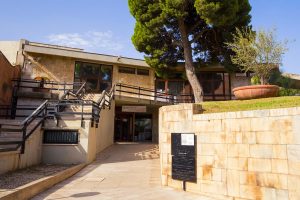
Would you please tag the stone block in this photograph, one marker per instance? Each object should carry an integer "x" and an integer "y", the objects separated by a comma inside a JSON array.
[
  {"x": 238, "y": 150},
  {"x": 205, "y": 160},
  {"x": 279, "y": 151},
  {"x": 293, "y": 183},
  {"x": 261, "y": 151},
  {"x": 259, "y": 165},
  {"x": 207, "y": 172},
  {"x": 281, "y": 123},
  {"x": 296, "y": 128},
  {"x": 237, "y": 163},
  {"x": 214, "y": 187},
  {"x": 193, "y": 187},
  {"x": 268, "y": 137},
  {"x": 233, "y": 183},
  {"x": 294, "y": 167},
  {"x": 216, "y": 174},
  {"x": 174, "y": 183},
  {"x": 282, "y": 194},
  {"x": 248, "y": 178},
  {"x": 293, "y": 152},
  {"x": 260, "y": 124},
  {"x": 268, "y": 193},
  {"x": 231, "y": 125},
  {"x": 249, "y": 137},
  {"x": 280, "y": 166},
  {"x": 250, "y": 192},
  {"x": 211, "y": 138},
  {"x": 278, "y": 181}
]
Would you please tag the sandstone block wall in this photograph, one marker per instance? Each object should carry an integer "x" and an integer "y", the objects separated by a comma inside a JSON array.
[{"x": 240, "y": 155}]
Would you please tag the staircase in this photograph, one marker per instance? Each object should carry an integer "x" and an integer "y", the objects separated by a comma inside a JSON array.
[{"x": 72, "y": 105}]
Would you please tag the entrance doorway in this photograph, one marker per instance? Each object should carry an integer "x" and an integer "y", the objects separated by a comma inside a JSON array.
[
  {"x": 143, "y": 128},
  {"x": 123, "y": 128},
  {"x": 133, "y": 127}
]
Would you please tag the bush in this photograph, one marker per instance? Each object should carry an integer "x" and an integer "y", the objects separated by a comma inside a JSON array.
[{"x": 289, "y": 92}]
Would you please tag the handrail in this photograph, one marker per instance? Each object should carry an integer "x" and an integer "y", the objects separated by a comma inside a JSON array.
[
  {"x": 156, "y": 95},
  {"x": 22, "y": 127},
  {"x": 35, "y": 113}
]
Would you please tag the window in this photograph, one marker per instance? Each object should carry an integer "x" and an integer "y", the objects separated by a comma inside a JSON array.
[
  {"x": 98, "y": 77},
  {"x": 61, "y": 137},
  {"x": 144, "y": 72},
  {"x": 127, "y": 70}
]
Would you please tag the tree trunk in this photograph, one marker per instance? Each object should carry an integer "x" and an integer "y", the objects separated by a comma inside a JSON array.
[{"x": 189, "y": 64}]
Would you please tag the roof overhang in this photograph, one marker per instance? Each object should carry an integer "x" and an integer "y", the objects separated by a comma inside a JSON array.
[{"x": 78, "y": 54}]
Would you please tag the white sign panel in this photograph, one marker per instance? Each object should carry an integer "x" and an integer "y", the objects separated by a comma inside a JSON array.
[
  {"x": 187, "y": 139},
  {"x": 137, "y": 109}
]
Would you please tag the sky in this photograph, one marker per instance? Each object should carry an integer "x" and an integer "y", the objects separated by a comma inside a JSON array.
[{"x": 106, "y": 26}]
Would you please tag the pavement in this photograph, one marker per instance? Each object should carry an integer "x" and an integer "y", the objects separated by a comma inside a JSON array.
[{"x": 126, "y": 171}]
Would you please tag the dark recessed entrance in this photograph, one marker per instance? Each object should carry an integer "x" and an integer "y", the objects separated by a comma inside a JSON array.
[{"x": 133, "y": 127}]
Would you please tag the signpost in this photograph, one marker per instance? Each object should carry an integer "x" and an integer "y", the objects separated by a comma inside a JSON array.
[
  {"x": 135, "y": 109},
  {"x": 183, "y": 157}
]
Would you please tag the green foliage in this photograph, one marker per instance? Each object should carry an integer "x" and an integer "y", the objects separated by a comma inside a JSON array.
[
  {"x": 289, "y": 92},
  {"x": 253, "y": 104},
  {"x": 277, "y": 78},
  {"x": 255, "y": 80},
  {"x": 209, "y": 24},
  {"x": 257, "y": 52}
]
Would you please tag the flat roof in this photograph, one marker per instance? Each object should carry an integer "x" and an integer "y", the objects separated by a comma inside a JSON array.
[{"x": 56, "y": 50}]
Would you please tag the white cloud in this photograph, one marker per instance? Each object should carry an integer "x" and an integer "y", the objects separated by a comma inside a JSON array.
[{"x": 91, "y": 41}]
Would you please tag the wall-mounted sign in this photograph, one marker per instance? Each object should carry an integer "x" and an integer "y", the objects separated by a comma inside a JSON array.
[
  {"x": 183, "y": 150},
  {"x": 136, "y": 109},
  {"x": 187, "y": 139}
]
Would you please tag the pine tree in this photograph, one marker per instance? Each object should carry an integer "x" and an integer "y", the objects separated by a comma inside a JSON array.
[{"x": 168, "y": 31}]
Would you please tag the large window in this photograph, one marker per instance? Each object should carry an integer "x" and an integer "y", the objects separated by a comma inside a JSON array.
[{"x": 98, "y": 77}]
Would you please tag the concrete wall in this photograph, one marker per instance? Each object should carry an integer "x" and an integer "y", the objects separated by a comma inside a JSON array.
[
  {"x": 10, "y": 50},
  {"x": 10, "y": 161},
  {"x": 92, "y": 140},
  {"x": 105, "y": 130},
  {"x": 8, "y": 72},
  {"x": 238, "y": 81},
  {"x": 240, "y": 155}
]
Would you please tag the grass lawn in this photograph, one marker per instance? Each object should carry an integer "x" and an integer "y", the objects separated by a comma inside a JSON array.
[{"x": 255, "y": 104}]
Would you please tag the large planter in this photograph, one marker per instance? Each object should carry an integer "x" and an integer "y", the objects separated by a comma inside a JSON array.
[{"x": 256, "y": 91}]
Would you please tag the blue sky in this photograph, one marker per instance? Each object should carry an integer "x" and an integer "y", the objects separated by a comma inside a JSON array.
[{"x": 106, "y": 26}]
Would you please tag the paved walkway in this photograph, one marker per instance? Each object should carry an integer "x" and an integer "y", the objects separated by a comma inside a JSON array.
[{"x": 123, "y": 171}]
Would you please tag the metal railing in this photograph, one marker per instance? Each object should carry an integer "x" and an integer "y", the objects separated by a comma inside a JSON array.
[
  {"x": 171, "y": 98},
  {"x": 150, "y": 94},
  {"x": 94, "y": 108},
  {"x": 24, "y": 127},
  {"x": 46, "y": 85}
]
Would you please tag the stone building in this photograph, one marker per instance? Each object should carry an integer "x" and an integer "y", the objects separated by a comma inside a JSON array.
[
  {"x": 139, "y": 93},
  {"x": 79, "y": 103}
]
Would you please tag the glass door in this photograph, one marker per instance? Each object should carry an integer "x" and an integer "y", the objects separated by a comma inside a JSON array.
[{"x": 143, "y": 128}]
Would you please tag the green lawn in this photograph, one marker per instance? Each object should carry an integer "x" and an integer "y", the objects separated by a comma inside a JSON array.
[{"x": 255, "y": 104}]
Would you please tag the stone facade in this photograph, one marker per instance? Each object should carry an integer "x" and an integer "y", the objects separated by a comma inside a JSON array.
[
  {"x": 8, "y": 72},
  {"x": 240, "y": 155}
]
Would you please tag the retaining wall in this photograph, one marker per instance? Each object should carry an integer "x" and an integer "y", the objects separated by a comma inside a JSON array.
[{"x": 240, "y": 155}]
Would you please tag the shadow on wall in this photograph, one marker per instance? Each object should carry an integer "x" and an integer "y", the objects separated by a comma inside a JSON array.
[{"x": 8, "y": 72}]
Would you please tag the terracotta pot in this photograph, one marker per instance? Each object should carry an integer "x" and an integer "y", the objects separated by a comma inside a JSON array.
[{"x": 256, "y": 91}]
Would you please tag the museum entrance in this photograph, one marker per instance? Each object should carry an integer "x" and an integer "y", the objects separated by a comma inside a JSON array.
[{"x": 133, "y": 127}]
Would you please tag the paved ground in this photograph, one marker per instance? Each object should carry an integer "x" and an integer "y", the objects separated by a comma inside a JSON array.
[{"x": 124, "y": 171}]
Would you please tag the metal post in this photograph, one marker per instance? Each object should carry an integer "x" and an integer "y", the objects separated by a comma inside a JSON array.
[
  {"x": 82, "y": 123},
  {"x": 23, "y": 138},
  {"x": 139, "y": 92}
]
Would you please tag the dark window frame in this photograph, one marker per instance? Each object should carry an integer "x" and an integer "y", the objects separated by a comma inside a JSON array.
[
  {"x": 141, "y": 72},
  {"x": 126, "y": 70},
  {"x": 61, "y": 137},
  {"x": 99, "y": 76}
]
